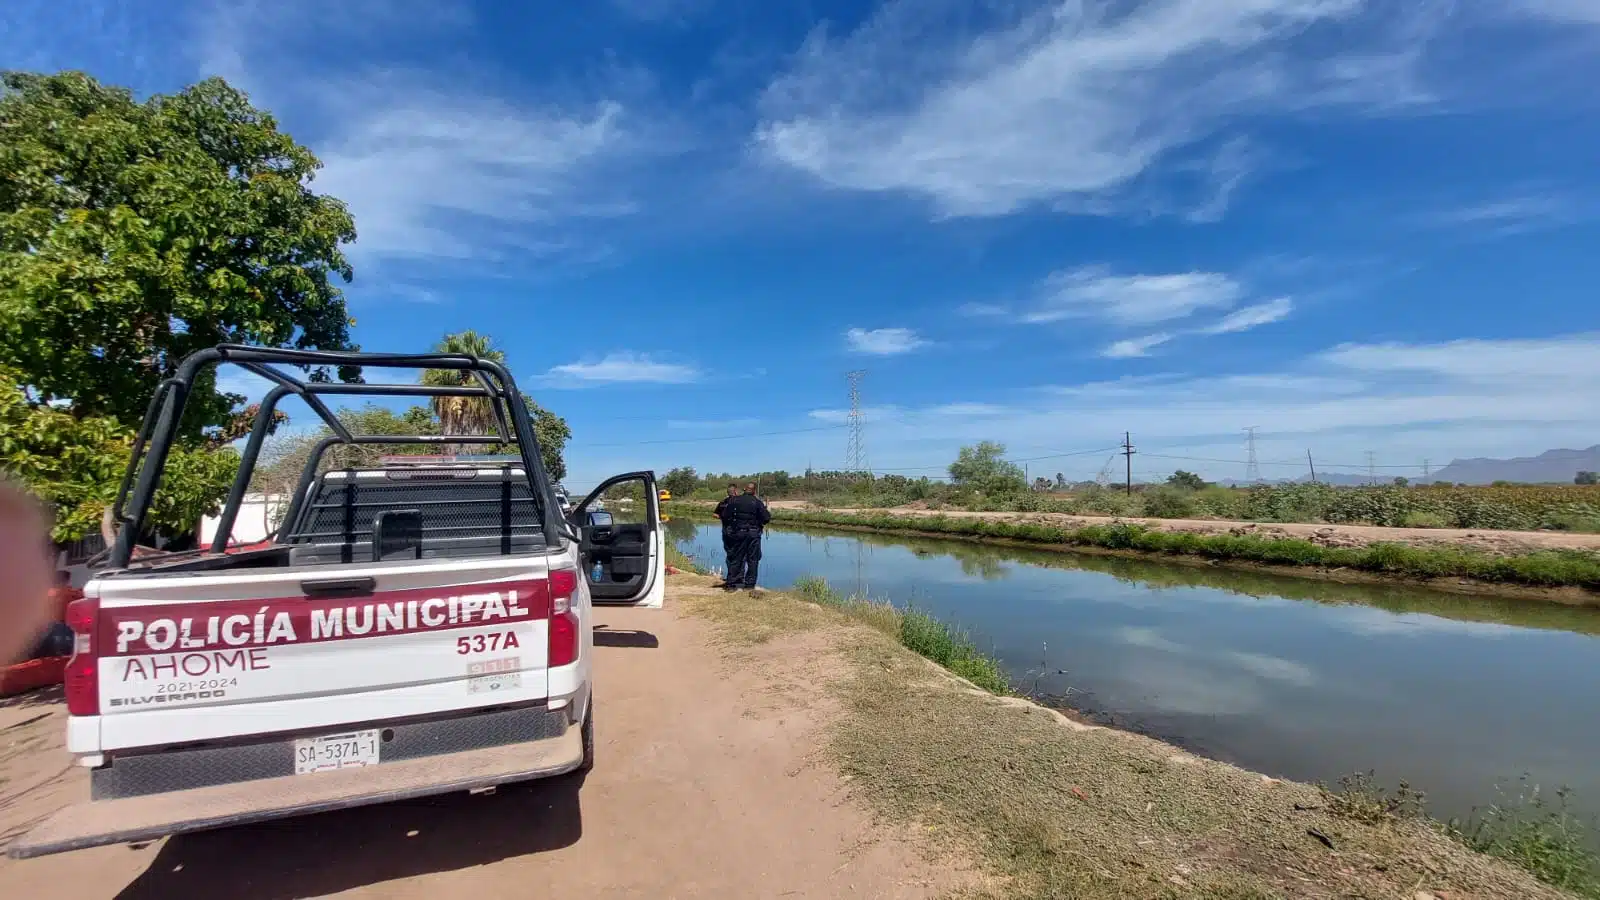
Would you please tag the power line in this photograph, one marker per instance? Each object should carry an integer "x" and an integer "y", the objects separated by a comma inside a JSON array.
[
  {"x": 1061, "y": 455},
  {"x": 1127, "y": 453},
  {"x": 855, "y": 452},
  {"x": 1252, "y": 469}
]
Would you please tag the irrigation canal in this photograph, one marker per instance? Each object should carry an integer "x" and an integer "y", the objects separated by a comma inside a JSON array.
[{"x": 1292, "y": 677}]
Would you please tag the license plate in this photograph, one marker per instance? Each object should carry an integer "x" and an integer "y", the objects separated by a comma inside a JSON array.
[{"x": 336, "y": 751}]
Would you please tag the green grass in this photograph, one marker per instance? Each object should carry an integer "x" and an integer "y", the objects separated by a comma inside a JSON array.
[
  {"x": 1045, "y": 810},
  {"x": 1538, "y": 835},
  {"x": 1525, "y": 829},
  {"x": 917, "y": 631},
  {"x": 1552, "y": 568},
  {"x": 678, "y": 559}
]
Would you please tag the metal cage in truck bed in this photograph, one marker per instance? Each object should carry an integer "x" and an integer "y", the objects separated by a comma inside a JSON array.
[{"x": 482, "y": 507}]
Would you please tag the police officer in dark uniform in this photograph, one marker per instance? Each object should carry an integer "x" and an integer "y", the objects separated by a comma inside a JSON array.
[
  {"x": 727, "y": 533},
  {"x": 744, "y": 516}
]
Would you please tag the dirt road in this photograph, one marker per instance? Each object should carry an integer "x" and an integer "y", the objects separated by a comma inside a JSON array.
[
  {"x": 705, "y": 786},
  {"x": 1487, "y": 540}
]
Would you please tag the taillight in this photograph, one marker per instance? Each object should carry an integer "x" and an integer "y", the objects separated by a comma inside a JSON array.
[
  {"x": 563, "y": 618},
  {"x": 82, "y": 676}
]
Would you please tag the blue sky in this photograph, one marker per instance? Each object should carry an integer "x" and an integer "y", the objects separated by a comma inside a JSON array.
[{"x": 1356, "y": 225}]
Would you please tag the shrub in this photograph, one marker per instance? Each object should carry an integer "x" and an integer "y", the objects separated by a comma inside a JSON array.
[
  {"x": 1424, "y": 519},
  {"x": 1542, "y": 837},
  {"x": 1169, "y": 503},
  {"x": 1581, "y": 517},
  {"x": 916, "y": 630}
]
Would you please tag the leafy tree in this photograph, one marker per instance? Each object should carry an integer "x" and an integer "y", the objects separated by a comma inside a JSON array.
[
  {"x": 75, "y": 464},
  {"x": 462, "y": 415},
  {"x": 1188, "y": 481},
  {"x": 552, "y": 432},
  {"x": 241, "y": 423},
  {"x": 681, "y": 481},
  {"x": 983, "y": 467},
  {"x": 1401, "y": 481},
  {"x": 375, "y": 419},
  {"x": 1586, "y": 478},
  {"x": 133, "y": 233},
  {"x": 473, "y": 415},
  {"x": 283, "y": 458},
  {"x": 1061, "y": 482}
]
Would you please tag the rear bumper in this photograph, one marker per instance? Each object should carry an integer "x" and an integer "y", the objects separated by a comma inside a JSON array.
[{"x": 144, "y": 818}]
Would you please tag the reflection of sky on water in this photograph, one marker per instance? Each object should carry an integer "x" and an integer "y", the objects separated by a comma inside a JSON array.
[{"x": 1308, "y": 690}]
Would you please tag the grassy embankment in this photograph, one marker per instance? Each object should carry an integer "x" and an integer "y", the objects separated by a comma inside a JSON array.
[
  {"x": 1051, "y": 808},
  {"x": 1517, "y": 507},
  {"x": 1547, "y": 569}
]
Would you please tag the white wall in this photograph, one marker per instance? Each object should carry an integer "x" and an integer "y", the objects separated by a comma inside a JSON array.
[{"x": 254, "y": 519}]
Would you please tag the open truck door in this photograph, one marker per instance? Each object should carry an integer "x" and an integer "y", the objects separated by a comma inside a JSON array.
[{"x": 623, "y": 551}]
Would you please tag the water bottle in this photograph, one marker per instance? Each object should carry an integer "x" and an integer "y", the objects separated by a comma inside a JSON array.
[{"x": 599, "y": 573}]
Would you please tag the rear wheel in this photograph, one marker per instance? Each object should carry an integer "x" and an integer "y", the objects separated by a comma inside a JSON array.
[{"x": 588, "y": 741}]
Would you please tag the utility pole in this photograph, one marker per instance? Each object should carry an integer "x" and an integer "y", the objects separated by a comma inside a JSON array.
[
  {"x": 855, "y": 453},
  {"x": 1372, "y": 467},
  {"x": 1252, "y": 469},
  {"x": 1427, "y": 469},
  {"x": 1128, "y": 451},
  {"x": 1312, "y": 464}
]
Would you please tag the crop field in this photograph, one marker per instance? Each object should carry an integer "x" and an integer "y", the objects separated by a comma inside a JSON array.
[{"x": 1514, "y": 507}]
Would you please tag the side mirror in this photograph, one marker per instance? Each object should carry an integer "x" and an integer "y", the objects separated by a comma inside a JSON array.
[
  {"x": 397, "y": 534},
  {"x": 600, "y": 519}
]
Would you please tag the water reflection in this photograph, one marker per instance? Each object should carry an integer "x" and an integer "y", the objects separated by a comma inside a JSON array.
[{"x": 1306, "y": 679}]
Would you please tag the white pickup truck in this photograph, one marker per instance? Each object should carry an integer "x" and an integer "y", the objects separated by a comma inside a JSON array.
[{"x": 409, "y": 630}]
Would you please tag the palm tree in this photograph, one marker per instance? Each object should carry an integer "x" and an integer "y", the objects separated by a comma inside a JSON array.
[{"x": 462, "y": 415}]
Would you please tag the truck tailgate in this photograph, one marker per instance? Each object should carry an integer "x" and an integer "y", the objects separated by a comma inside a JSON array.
[
  {"x": 104, "y": 822},
  {"x": 186, "y": 658}
]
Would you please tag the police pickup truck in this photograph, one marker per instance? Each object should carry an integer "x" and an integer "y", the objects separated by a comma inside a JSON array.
[{"x": 410, "y": 629}]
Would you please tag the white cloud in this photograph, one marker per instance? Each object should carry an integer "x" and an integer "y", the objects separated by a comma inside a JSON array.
[
  {"x": 1133, "y": 347},
  {"x": 1510, "y": 214},
  {"x": 1073, "y": 104},
  {"x": 436, "y": 175},
  {"x": 1252, "y": 317},
  {"x": 839, "y": 416},
  {"x": 969, "y": 409},
  {"x": 1581, "y": 12},
  {"x": 623, "y": 367},
  {"x": 982, "y": 310},
  {"x": 433, "y": 166},
  {"x": 1573, "y": 360},
  {"x": 1406, "y": 402},
  {"x": 883, "y": 341},
  {"x": 1095, "y": 293}
]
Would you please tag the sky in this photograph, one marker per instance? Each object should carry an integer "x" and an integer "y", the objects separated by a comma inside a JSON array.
[{"x": 1359, "y": 226}]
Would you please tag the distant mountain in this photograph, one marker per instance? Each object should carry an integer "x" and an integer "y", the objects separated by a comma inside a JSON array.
[
  {"x": 1339, "y": 479},
  {"x": 1554, "y": 466},
  {"x": 1549, "y": 467}
]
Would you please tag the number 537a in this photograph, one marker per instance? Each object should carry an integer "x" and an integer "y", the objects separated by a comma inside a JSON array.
[{"x": 487, "y": 643}]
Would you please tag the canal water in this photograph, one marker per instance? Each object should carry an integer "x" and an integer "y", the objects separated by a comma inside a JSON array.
[{"x": 1292, "y": 677}]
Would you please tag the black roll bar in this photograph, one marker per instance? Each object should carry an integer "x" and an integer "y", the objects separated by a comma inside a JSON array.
[
  {"x": 308, "y": 473},
  {"x": 156, "y": 435}
]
